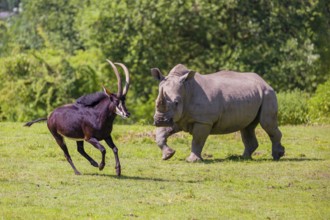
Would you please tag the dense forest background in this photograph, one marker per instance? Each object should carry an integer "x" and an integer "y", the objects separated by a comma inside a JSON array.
[{"x": 52, "y": 52}]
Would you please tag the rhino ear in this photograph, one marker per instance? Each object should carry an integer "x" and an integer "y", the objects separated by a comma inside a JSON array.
[
  {"x": 187, "y": 76},
  {"x": 155, "y": 72}
]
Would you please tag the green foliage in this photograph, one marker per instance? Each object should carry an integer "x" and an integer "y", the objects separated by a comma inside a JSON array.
[
  {"x": 285, "y": 42},
  {"x": 292, "y": 107},
  {"x": 319, "y": 104},
  {"x": 54, "y": 18},
  {"x": 320, "y": 28},
  {"x": 35, "y": 83},
  {"x": 297, "y": 107},
  {"x": 3, "y": 36},
  {"x": 274, "y": 40}
]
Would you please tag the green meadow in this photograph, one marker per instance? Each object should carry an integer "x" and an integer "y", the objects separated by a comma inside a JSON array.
[{"x": 36, "y": 182}]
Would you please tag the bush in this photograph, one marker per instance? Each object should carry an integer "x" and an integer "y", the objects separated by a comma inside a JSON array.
[
  {"x": 33, "y": 84},
  {"x": 292, "y": 107},
  {"x": 319, "y": 104}
]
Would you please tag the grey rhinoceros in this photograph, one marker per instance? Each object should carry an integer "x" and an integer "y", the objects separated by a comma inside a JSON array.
[{"x": 218, "y": 103}]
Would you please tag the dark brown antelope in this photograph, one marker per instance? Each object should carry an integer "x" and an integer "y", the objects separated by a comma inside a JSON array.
[{"x": 90, "y": 119}]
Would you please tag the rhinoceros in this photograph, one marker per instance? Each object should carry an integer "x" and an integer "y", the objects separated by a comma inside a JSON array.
[{"x": 217, "y": 103}]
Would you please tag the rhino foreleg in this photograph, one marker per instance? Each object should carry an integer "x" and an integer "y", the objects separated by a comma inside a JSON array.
[
  {"x": 162, "y": 133},
  {"x": 200, "y": 133}
]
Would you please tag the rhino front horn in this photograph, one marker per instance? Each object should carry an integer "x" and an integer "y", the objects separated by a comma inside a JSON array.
[{"x": 161, "y": 102}]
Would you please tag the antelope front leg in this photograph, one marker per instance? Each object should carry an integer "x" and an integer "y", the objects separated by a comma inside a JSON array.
[
  {"x": 81, "y": 150},
  {"x": 109, "y": 141},
  {"x": 96, "y": 144}
]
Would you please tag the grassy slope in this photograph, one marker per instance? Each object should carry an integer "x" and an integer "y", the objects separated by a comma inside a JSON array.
[{"x": 36, "y": 182}]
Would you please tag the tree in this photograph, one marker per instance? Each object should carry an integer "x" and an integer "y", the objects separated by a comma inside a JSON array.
[{"x": 286, "y": 42}]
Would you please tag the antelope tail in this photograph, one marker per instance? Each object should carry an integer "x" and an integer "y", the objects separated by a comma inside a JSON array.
[{"x": 28, "y": 124}]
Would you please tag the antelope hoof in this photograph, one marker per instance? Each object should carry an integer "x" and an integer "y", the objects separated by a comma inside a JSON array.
[
  {"x": 77, "y": 173},
  {"x": 277, "y": 155},
  {"x": 101, "y": 166},
  {"x": 94, "y": 164},
  {"x": 246, "y": 156},
  {"x": 118, "y": 171}
]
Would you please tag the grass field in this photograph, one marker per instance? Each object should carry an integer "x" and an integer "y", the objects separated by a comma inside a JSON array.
[{"x": 36, "y": 182}]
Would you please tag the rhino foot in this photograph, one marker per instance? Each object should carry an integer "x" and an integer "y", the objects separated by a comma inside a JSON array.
[
  {"x": 168, "y": 153},
  {"x": 193, "y": 158}
]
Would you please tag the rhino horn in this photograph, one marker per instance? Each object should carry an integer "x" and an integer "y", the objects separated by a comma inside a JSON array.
[{"x": 161, "y": 102}]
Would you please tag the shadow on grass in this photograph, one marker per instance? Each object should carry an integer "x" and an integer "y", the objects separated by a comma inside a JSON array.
[
  {"x": 139, "y": 178},
  {"x": 239, "y": 158}
]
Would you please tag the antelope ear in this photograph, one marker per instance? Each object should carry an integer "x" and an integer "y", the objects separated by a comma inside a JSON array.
[{"x": 106, "y": 91}]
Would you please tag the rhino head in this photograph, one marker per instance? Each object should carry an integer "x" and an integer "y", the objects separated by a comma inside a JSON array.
[{"x": 172, "y": 94}]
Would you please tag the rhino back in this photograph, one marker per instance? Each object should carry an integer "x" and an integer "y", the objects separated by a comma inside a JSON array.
[{"x": 228, "y": 101}]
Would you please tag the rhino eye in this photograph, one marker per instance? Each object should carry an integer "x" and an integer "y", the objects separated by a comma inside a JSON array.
[{"x": 176, "y": 103}]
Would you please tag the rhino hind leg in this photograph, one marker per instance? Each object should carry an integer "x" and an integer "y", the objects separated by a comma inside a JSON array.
[
  {"x": 275, "y": 136},
  {"x": 250, "y": 141},
  {"x": 268, "y": 121}
]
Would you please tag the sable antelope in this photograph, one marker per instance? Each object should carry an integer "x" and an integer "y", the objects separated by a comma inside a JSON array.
[{"x": 90, "y": 118}]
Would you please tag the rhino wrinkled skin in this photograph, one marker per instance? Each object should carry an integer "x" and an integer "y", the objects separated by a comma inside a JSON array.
[{"x": 218, "y": 103}]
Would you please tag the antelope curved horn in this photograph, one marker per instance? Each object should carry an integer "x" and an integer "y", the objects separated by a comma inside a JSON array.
[
  {"x": 120, "y": 91},
  {"x": 127, "y": 78}
]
